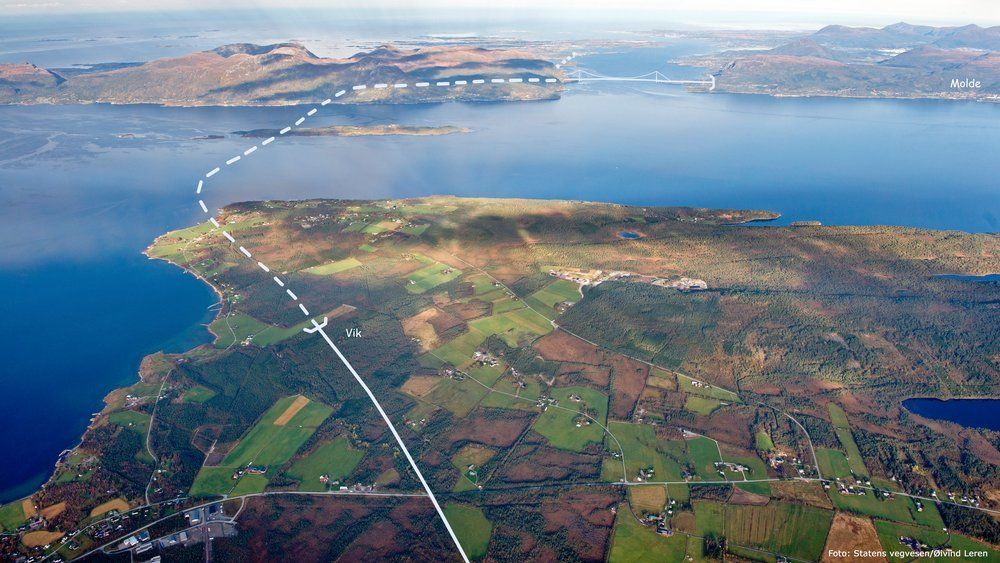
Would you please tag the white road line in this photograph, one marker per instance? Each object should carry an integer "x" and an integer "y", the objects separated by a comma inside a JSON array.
[
  {"x": 325, "y": 102},
  {"x": 214, "y": 222},
  {"x": 319, "y": 327},
  {"x": 399, "y": 440},
  {"x": 234, "y": 160},
  {"x": 515, "y": 80},
  {"x": 200, "y": 184}
]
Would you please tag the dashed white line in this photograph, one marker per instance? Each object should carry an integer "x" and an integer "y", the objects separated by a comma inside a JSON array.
[{"x": 294, "y": 297}]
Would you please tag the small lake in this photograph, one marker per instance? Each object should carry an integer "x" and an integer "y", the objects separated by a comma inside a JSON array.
[{"x": 971, "y": 413}]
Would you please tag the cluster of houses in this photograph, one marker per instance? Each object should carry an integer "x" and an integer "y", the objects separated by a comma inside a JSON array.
[
  {"x": 486, "y": 359},
  {"x": 722, "y": 466},
  {"x": 250, "y": 469},
  {"x": 645, "y": 474}
]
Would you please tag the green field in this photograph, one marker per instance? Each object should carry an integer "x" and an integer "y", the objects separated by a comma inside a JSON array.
[
  {"x": 11, "y": 515},
  {"x": 899, "y": 508},
  {"x": 557, "y": 292},
  {"x": 336, "y": 460},
  {"x": 430, "y": 276},
  {"x": 198, "y": 394},
  {"x": 702, "y": 454},
  {"x": 461, "y": 396},
  {"x": 471, "y": 527},
  {"x": 642, "y": 451},
  {"x": 559, "y": 425},
  {"x": 709, "y": 518},
  {"x": 701, "y": 405},
  {"x": 133, "y": 420},
  {"x": 687, "y": 385},
  {"x": 367, "y": 248},
  {"x": 415, "y": 230},
  {"x": 833, "y": 463},
  {"x": 333, "y": 267},
  {"x": 843, "y": 429},
  {"x": 266, "y": 444},
  {"x": 515, "y": 327},
  {"x": 889, "y": 533},
  {"x": 757, "y": 471},
  {"x": 458, "y": 351},
  {"x": 794, "y": 530},
  {"x": 764, "y": 442},
  {"x": 234, "y": 329},
  {"x": 532, "y": 390},
  {"x": 633, "y": 542}
]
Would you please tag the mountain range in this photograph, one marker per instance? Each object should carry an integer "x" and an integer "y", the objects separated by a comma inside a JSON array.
[
  {"x": 278, "y": 74},
  {"x": 897, "y": 61}
]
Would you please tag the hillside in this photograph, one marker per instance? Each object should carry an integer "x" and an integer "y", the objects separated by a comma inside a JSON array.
[
  {"x": 284, "y": 73},
  {"x": 897, "y": 61},
  {"x": 535, "y": 354}
]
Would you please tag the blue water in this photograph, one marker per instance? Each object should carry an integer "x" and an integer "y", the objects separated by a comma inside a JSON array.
[
  {"x": 629, "y": 235},
  {"x": 971, "y": 413},
  {"x": 78, "y": 202},
  {"x": 959, "y": 277}
]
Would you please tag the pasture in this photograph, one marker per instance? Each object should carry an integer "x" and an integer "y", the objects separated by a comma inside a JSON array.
[
  {"x": 336, "y": 460},
  {"x": 471, "y": 527},
  {"x": 559, "y": 425}
]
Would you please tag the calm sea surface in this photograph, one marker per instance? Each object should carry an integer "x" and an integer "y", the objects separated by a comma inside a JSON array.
[{"x": 84, "y": 189}]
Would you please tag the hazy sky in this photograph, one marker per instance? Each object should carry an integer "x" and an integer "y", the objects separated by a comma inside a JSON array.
[{"x": 705, "y": 12}]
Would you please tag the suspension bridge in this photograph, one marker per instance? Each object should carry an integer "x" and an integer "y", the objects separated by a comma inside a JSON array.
[{"x": 581, "y": 75}]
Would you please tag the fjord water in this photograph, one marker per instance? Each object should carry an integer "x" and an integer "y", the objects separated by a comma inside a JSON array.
[{"x": 84, "y": 189}]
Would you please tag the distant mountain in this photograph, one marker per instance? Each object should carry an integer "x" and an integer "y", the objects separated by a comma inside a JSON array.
[
  {"x": 903, "y": 35},
  {"x": 899, "y": 60},
  {"x": 283, "y": 73}
]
